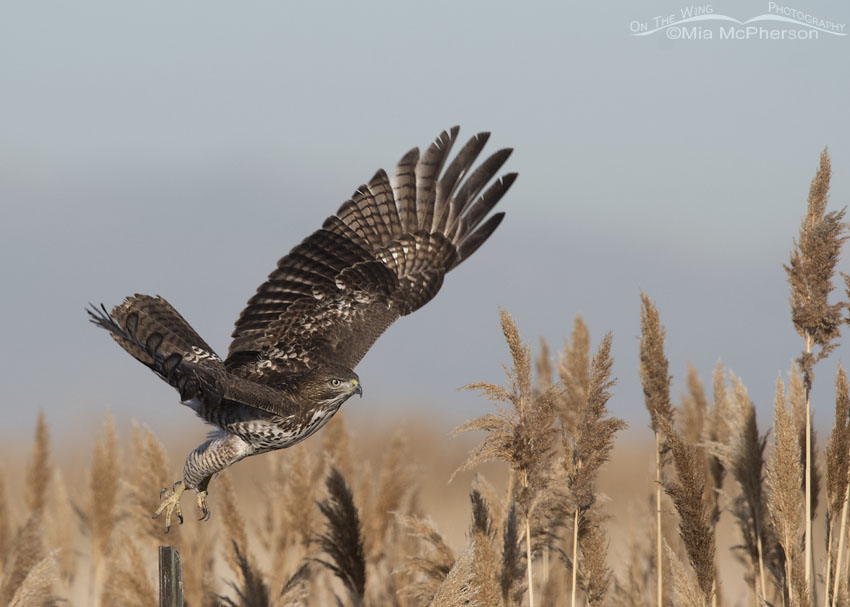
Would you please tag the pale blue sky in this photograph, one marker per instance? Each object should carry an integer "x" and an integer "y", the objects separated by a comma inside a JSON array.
[{"x": 182, "y": 148}]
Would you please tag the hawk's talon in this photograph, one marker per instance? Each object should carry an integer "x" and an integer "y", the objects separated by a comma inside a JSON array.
[
  {"x": 171, "y": 505},
  {"x": 202, "y": 504}
]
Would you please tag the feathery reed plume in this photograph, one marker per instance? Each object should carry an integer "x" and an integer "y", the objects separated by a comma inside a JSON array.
[
  {"x": 474, "y": 577},
  {"x": 695, "y": 526},
  {"x": 656, "y": 391},
  {"x": 37, "y": 588},
  {"x": 61, "y": 528},
  {"x": 523, "y": 436},
  {"x": 252, "y": 592},
  {"x": 151, "y": 472},
  {"x": 743, "y": 456},
  {"x": 685, "y": 588},
  {"x": 591, "y": 444},
  {"x": 342, "y": 540},
  {"x": 810, "y": 270},
  {"x": 395, "y": 482},
  {"x": 432, "y": 568},
  {"x": 303, "y": 472},
  {"x": 39, "y": 471},
  {"x": 543, "y": 365},
  {"x": 718, "y": 432},
  {"x": 510, "y": 576},
  {"x": 104, "y": 492},
  {"x": 127, "y": 582},
  {"x": 574, "y": 371},
  {"x": 335, "y": 440},
  {"x": 694, "y": 408},
  {"x": 233, "y": 521},
  {"x": 5, "y": 524},
  {"x": 27, "y": 550},
  {"x": 785, "y": 499},
  {"x": 837, "y": 481},
  {"x": 294, "y": 591}
]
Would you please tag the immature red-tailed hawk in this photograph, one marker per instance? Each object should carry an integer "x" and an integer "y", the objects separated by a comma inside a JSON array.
[{"x": 289, "y": 367}]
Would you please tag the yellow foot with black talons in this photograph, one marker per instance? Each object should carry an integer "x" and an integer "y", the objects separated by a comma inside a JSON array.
[
  {"x": 202, "y": 504},
  {"x": 171, "y": 504}
]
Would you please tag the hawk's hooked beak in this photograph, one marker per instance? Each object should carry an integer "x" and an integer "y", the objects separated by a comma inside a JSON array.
[{"x": 358, "y": 389}]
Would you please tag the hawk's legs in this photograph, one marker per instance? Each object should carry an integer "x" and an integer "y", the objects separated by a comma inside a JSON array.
[{"x": 213, "y": 456}]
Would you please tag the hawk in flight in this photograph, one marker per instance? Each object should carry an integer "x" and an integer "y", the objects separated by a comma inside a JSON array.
[{"x": 290, "y": 365}]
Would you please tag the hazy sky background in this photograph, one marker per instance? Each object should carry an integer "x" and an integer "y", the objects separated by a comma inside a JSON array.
[{"x": 182, "y": 148}]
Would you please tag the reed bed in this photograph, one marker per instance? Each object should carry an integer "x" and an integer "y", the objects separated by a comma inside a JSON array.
[{"x": 554, "y": 514}]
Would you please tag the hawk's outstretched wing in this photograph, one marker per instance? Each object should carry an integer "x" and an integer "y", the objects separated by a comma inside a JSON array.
[{"x": 382, "y": 256}]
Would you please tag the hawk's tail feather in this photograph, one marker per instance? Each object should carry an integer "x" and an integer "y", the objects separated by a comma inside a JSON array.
[{"x": 154, "y": 333}]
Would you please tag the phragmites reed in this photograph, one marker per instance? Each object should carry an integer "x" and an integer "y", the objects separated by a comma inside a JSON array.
[
  {"x": 743, "y": 457},
  {"x": 101, "y": 514},
  {"x": 253, "y": 591},
  {"x": 342, "y": 540},
  {"x": 686, "y": 490},
  {"x": 428, "y": 571},
  {"x": 586, "y": 450},
  {"x": 127, "y": 583},
  {"x": 685, "y": 592},
  {"x": 39, "y": 470},
  {"x": 151, "y": 473},
  {"x": 26, "y": 551},
  {"x": 295, "y": 591},
  {"x": 695, "y": 526},
  {"x": 523, "y": 436},
  {"x": 37, "y": 588},
  {"x": 656, "y": 391},
  {"x": 477, "y": 577},
  {"x": 233, "y": 522},
  {"x": 785, "y": 499},
  {"x": 810, "y": 270},
  {"x": 574, "y": 372},
  {"x": 837, "y": 484},
  {"x": 104, "y": 489}
]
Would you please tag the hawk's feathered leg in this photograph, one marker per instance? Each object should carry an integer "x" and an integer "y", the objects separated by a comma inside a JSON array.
[{"x": 201, "y": 465}]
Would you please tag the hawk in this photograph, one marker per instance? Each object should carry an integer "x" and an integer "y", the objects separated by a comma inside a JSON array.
[{"x": 290, "y": 364}]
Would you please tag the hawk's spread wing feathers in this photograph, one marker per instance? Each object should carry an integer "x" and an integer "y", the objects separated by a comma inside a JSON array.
[{"x": 382, "y": 256}]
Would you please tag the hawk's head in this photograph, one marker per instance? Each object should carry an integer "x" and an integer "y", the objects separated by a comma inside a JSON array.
[{"x": 329, "y": 384}]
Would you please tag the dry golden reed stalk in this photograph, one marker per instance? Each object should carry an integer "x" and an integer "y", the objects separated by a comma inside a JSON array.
[
  {"x": 39, "y": 469},
  {"x": 810, "y": 271}
]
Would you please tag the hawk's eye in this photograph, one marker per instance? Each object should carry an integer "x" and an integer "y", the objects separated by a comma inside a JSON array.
[{"x": 335, "y": 383}]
